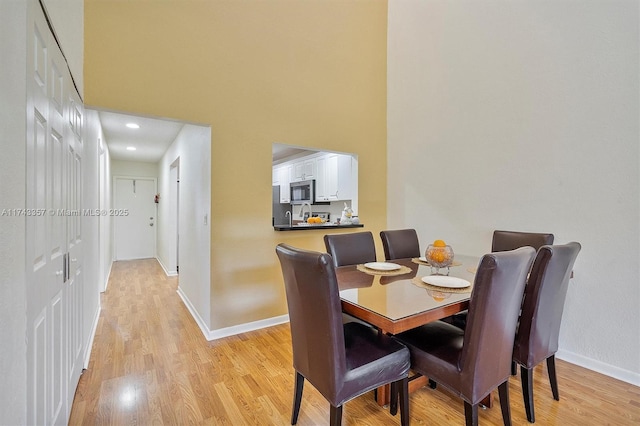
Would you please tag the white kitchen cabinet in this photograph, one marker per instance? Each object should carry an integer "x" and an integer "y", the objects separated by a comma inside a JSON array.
[
  {"x": 304, "y": 170},
  {"x": 345, "y": 178},
  {"x": 321, "y": 179},
  {"x": 333, "y": 173},
  {"x": 334, "y": 178},
  {"x": 282, "y": 177}
]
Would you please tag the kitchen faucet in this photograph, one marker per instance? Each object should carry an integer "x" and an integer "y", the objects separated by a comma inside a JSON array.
[
  {"x": 302, "y": 209},
  {"x": 288, "y": 213}
]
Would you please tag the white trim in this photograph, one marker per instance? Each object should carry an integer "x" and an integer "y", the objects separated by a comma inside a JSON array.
[
  {"x": 106, "y": 283},
  {"x": 229, "y": 331},
  {"x": 194, "y": 313},
  {"x": 600, "y": 367},
  {"x": 167, "y": 273},
  {"x": 92, "y": 335},
  {"x": 249, "y": 326},
  {"x": 591, "y": 364}
]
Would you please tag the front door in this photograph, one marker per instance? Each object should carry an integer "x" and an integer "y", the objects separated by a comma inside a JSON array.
[{"x": 135, "y": 218}]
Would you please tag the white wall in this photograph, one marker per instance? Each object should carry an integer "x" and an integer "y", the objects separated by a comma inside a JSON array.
[
  {"x": 13, "y": 350},
  {"x": 93, "y": 282},
  {"x": 134, "y": 168},
  {"x": 193, "y": 148},
  {"x": 106, "y": 222},
  {"x": 524, "y": 115}
]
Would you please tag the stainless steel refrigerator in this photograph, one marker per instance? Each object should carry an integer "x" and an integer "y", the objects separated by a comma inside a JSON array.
[{"x": 279, "y": 209}]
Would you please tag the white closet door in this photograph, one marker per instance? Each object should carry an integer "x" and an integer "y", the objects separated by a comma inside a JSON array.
[{"x": 54, "y": 316}]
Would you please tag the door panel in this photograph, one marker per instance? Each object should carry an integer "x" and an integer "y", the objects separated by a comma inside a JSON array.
[
  {"x": 135, "y": 219},
  {"x": 73, "y": 285}
]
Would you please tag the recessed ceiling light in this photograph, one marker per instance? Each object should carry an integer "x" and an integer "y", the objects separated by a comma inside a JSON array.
[
  {"x": 133, "y": 126},
  {"x": 131, "y": 148}
]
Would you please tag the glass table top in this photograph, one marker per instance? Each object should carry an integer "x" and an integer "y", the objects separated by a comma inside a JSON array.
[{"x": 398, "y": 296}]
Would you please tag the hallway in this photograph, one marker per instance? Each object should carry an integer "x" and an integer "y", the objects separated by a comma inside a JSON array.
[{"x": 151, "y": 364}]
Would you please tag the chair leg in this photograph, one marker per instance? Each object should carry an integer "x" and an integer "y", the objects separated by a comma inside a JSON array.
[
  {"x": 404, "y": 402},
  {"x": 551, "y": 369},
  {"x": 471, "y": 414},
  {"x": 393, "y": 399},
  {"x": 526, "y": 376},
  {"x": 432, "y": 384},
  {"x": 297, "y": 397},
  {"x": 503, "y": 391},
  {"x": 335, "y": 416}
]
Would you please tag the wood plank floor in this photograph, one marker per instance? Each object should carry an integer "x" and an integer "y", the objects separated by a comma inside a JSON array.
[{"x": 150, "y": 364}]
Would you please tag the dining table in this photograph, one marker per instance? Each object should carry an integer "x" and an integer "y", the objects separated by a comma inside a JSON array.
[{"x": 402, "y": 294}]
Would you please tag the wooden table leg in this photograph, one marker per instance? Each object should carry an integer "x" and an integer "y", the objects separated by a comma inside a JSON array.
[
  {"x": 487, "y": 401},
  {"x": 383, "y": 393}
]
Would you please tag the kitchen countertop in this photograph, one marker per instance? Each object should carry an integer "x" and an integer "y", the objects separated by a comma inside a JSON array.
[{"x": 307, "y": 227}]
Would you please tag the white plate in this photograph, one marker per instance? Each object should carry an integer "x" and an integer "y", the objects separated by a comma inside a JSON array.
[
  {"x": 445, "y": 281},
  {"x": 382, "y": 266}
]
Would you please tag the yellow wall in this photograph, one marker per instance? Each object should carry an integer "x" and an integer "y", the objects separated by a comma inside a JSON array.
[{"x": 310, "y": 73}]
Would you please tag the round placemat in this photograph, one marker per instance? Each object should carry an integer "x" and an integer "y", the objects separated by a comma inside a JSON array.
[
  {"x": 403, "y": 270},
  {"x": 417, "y": 281}
]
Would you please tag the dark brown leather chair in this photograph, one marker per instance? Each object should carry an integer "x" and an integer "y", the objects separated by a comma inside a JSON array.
[
  {"x": 351, "y": 249},
  {"x": 510, "y": 240},
  {"x": 400, "y": 243},
  {"x": 341, "y": 361},
  {"x": 539, "y": 327},
  {"x": 474, "y": 361},
  {"x": 506, "y": 241}
]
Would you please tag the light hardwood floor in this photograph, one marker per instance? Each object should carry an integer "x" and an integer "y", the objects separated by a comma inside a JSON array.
[{"x": 150, "y": 364}]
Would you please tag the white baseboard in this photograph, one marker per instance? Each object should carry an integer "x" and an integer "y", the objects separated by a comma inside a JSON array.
[
  {"x": 166, "y": 272},
  {"x": 92, "y": 335},
  {"x": 591, "y": 364},
  {"x": 194, "y": 313},
  {"x": 229, "y": 331},
  {"x": 106, "y": 283},
  {"x": 249, "y": 326},
  {"x": 600, "y": 367}
]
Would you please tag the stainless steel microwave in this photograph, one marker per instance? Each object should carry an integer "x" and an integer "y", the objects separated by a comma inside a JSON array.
[{"x": 303, "y": 192}]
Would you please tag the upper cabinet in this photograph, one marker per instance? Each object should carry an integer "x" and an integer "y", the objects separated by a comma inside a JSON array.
[
  {"x": 304, "y": 170},
  {"x": 334, "y": 180},
  {"x": 281, "y": 176}
]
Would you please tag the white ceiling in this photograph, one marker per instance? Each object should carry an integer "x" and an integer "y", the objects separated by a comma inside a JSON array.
[
  {"x": 151, "y": 140},
  {"x": 155, "y": 136}
]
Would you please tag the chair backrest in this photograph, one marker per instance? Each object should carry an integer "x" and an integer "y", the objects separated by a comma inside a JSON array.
[
  {"x": 351, "y": 249},
  {"x": 315, "y": 317},
  {"x": 400, "y": 243},
  {"x": 546, "y": 291},
  {"x": 510, "y": 240},
  {"x": 494, "y": 306}
]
